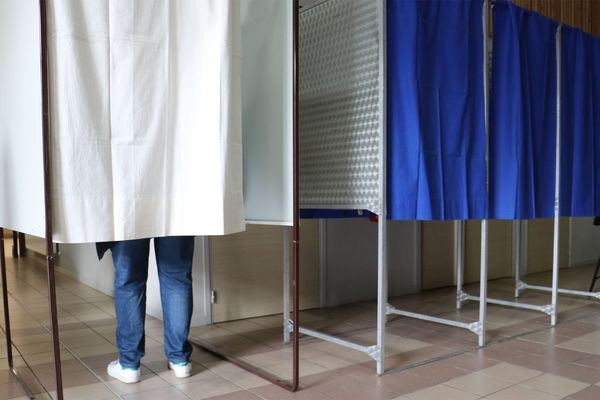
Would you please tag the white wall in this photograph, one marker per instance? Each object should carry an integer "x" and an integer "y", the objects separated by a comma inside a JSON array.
[
  {"x": 585, "y": 242},
  {"x": 350, "y": 270},
  {"x": 21, "y": 161},
  {"x": 80, "y": 262}
]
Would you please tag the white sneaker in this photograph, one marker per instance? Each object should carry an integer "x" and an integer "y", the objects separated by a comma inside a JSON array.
[
  {"x": 125, "y": 375},
  {"x": 181, "y": 370}
]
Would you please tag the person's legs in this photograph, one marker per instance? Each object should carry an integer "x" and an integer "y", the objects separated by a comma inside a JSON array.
[
  {"x": 131, "y": 273},
  {"x": 174, "y": 259}
]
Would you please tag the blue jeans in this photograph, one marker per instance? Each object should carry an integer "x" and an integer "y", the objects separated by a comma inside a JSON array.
[{"x": 174, "y": 259}]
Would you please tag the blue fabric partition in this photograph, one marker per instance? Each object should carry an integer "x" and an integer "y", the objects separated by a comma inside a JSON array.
[
  {"x": 436, "y": 135},
  {"x": 522, "y": 114},
  {"x": 580, "y": 124}
]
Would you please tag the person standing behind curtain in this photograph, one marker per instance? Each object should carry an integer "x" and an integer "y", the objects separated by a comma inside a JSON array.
[{"x": 174, "y": 260}]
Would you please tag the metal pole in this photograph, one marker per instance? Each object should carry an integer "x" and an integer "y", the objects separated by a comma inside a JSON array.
[
  {"x": 15, "y": 244},
  {"x": 22, "y": 244},
  {"x": 556, "y": 244},
  {"x": 48, "y": 199},
  {"x": 459, "y": 260},
  {"x": 484, "y": 223},
  {"x": 483, "y": 281},
  {"x": 7, "y": 331},
  {"x": 296, "y": 226},
  {"x": 517, "y": 256},
  {"x": 382, "y": 273},
  {"x": 287, "y": 244}
]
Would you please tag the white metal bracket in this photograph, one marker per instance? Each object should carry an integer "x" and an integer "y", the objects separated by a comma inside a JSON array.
[
  {"x": 288, "y": 326},
  {"x": 389, "y": 308},
  {"x": 374, "y": 352},
  {"x": 476, "y": 328},
  {"x": 520, "y": 285},
  {"x": 461, "y": 296},
  {"x": 548, "y": 309}
]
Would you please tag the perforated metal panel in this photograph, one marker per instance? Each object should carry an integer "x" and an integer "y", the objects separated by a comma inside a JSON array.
[{"x": 340, "y": 105}]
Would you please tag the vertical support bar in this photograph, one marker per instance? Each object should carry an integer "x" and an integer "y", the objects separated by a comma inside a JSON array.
[
  {"x": 15, "y": 244},
  {"x": 296, "y": 197},
  {"x": 22, "y": 244},
  {"x": 382, "y": 277},
  {"x": 459, "y": 259},
  {"x": 208, "y": 283},
  {"x": 484, "y": 223},
  {"x": 556, "y": 244},
  {"x": 48, "y": 198},
  {"x": 516, "y": 242},
  {"x": 9, "y": 354},
  {"x": 323, "y": 262},
  {"x": 287, "y": 244},
  {"x": 382, "y": 289},
  {"x": 483, "y": 281}
]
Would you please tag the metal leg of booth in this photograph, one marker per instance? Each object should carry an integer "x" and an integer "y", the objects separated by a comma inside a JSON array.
[
  {"x": 596, "y": 276},
  {"x": 22, "y": 244},
  {"x": 48, "y": 200},
  {"x": 15, "y": 244},
  {"x": 7, "y": 331},
  {"x": 7, "y": 328},
  {"x": 459, "y": 260},
  {"x": 288, "y": 336},
  {"x": 287, "y": 245},
  {"x": 294, "y": 282}
]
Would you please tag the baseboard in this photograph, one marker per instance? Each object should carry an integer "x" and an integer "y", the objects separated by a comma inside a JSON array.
[{"x": 585, "y": 263}]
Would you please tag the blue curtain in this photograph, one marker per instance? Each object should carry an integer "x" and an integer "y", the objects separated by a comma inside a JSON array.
[
  {"x": 580, "y": 124},
  {"x": 522, "y": 139},
  {"x": 436, "y": 136}
]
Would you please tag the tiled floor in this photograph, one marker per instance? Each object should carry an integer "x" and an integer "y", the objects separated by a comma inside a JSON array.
[{"x": 526, "y": 359}]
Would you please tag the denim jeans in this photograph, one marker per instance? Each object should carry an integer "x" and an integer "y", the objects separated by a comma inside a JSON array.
[{"x": 174, "y": 260}]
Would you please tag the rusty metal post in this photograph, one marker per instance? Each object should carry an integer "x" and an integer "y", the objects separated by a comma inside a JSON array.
[
  {"x": 48, "y": 198},
  {"x": 5, "y": 302}
]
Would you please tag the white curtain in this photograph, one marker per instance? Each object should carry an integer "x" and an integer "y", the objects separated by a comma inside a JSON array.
[{"x": 145, "y": 118}]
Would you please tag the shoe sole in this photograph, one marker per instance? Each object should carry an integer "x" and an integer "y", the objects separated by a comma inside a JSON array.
[
  {"x": 187, "y": 375},
  {"x": 121, "y": 379}
]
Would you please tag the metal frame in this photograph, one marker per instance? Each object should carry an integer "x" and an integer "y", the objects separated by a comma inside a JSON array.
[
  {"x": 291, "y": 241},
  {"x": 48, "y": 222},
  {"x": 375, "y": 351},
  {"x": 477, "y": 327},
  {"x": 555, "y": 290},
  {"x": 550, "y": 309}
]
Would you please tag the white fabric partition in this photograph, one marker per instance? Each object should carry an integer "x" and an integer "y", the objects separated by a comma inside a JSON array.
[
  {"x": 267, "y": 105},
  {"x": 146, "y": 118},
  {"x": 21, "y": 161}
]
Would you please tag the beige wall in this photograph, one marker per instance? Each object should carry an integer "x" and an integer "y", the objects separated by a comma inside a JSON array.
[
  {"x": 247, "y": 271},
  {"x": 437, "y": 254},
  {"x": 540, "y": 236},
  {"x": 500, "y": 261}
]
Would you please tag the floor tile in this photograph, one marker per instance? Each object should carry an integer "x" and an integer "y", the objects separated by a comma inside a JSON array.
[
  {"x": 554, "y": 385},
  {"x": 510, "y": 373},
  {"x": 208, "y": 388},
  {"x": 589, "y": 393},
  {"x": 521, "y": 393},
  {"x": 439, "y": 392},
  {"x": 478, "y": 383}
]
